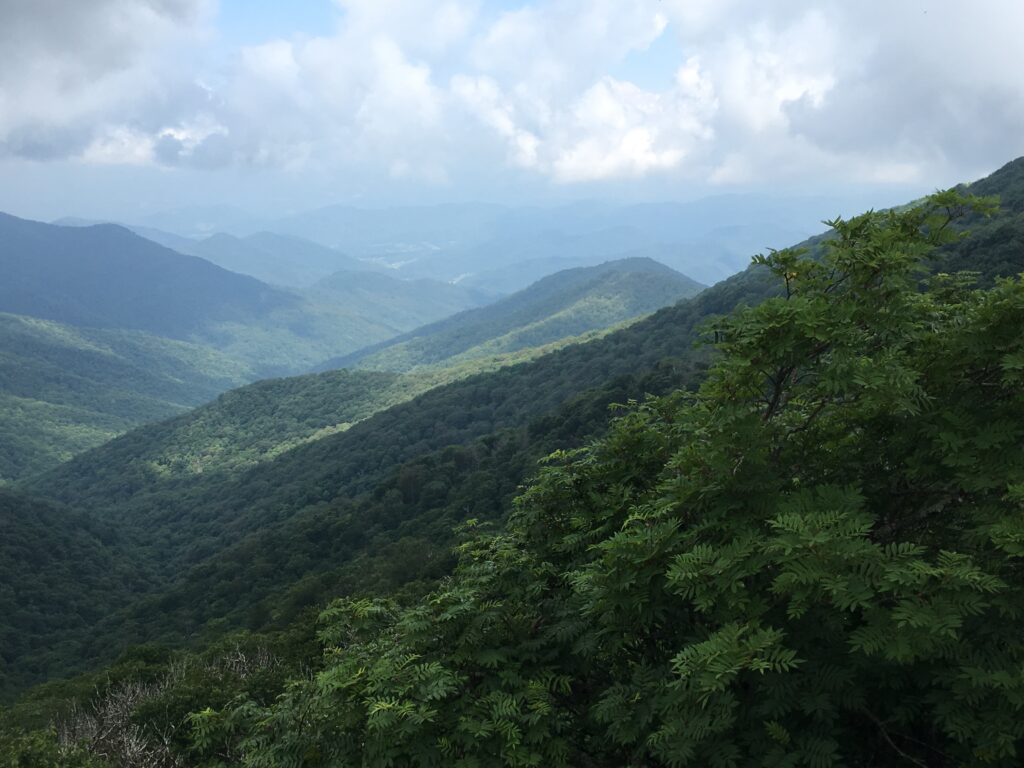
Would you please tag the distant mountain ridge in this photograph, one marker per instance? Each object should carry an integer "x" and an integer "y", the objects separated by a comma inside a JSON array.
[
  {"x": 276, "y": 259},
  {"x": 503, "y": 248},
  {"x": 105, "y": 276},
  {"x": 407, "y": 304},
  {"x": 562, "y": 305}
]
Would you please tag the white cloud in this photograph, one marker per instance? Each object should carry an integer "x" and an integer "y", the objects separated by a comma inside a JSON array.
[
  {"x": 75, "y": 74},
  {"x": 618, "y": 130},
  {"x": 435, "y": 90},
  {"x": 118, "y": 145}
]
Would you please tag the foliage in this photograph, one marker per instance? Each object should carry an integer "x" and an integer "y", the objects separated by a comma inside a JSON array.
[
  {"x": 41, "y": 749},
  {"x": 135, "y": 713},
  {"x": 44, "y": 550},
  {"x": 813, "y": 561},
  {"x": 996, "y": 245}
]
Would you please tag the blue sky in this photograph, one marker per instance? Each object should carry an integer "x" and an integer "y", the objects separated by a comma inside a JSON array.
[
  {"x": 250, "y": 22},
  {"x": 116, "y": 105}
]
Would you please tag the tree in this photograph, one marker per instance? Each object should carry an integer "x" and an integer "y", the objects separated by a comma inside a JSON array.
[{"x": 813, "y": 561}]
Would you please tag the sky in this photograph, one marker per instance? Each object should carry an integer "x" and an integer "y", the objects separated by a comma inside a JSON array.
[{"x": 116, "y": 108}]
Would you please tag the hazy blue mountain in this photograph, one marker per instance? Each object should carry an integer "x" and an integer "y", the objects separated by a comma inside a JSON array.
[
  {"x": 485, "y": 244},
  {"x": 167, "y": 239},
  {"x": 276, "y": 259},
  {"x": 393, "y": 230},
  {"x": 504, "y": 248},
  {"x": 362, "y": 231},
  {"x": 105, "y": 276},
  {"x": 562, "y": 305},
  {"x": 500, "y": 264},
  {"x": 407, "y": 304},
  {"x": 199, "y": 221},
  {"x": 473, "y": 265}
]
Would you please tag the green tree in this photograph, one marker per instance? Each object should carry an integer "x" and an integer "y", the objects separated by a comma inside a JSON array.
[{"x": 813, "y": 561}]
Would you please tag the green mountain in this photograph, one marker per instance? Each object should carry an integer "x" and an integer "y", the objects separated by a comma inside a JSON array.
[
  {"x": 814, "y": 560},
  {"x": 347, "y": 503},
  {"x": 258, "y": 422},
  {"x": 64, "y": 389},
  {"x": 275, "y": 259},
  {"x": 371, "y": 509},
  {"x": 107, "y": 277},
  {"x": 69, "y": 389},
  {"x": 566, "y": 304}
]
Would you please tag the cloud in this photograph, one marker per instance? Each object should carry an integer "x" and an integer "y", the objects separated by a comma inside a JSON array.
[
  {"x": 74, "y": 71},
  {"x": 433, "y": 91},
  {"x": 869, "y": 91},
  {"x": 555, "y": 50}
]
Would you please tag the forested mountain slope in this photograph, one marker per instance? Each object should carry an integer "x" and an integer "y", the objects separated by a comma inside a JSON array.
[
  {"x": 996, "y": 245},
  {"x": 44, "y": 550},
  {"x": 257, "y": 422},
  {"x": 565, "y": 304},
  {"x": 344, "y": 511},
  {"x": 64, "y": 390},
  {"x": 813, "y": 561}
]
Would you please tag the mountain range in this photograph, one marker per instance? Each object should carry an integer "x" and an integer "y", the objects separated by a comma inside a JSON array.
[
  {"x": 568, "y": 303},
  {"x": 248, "y": 513},
  {"x": 105, "y": 330}
]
